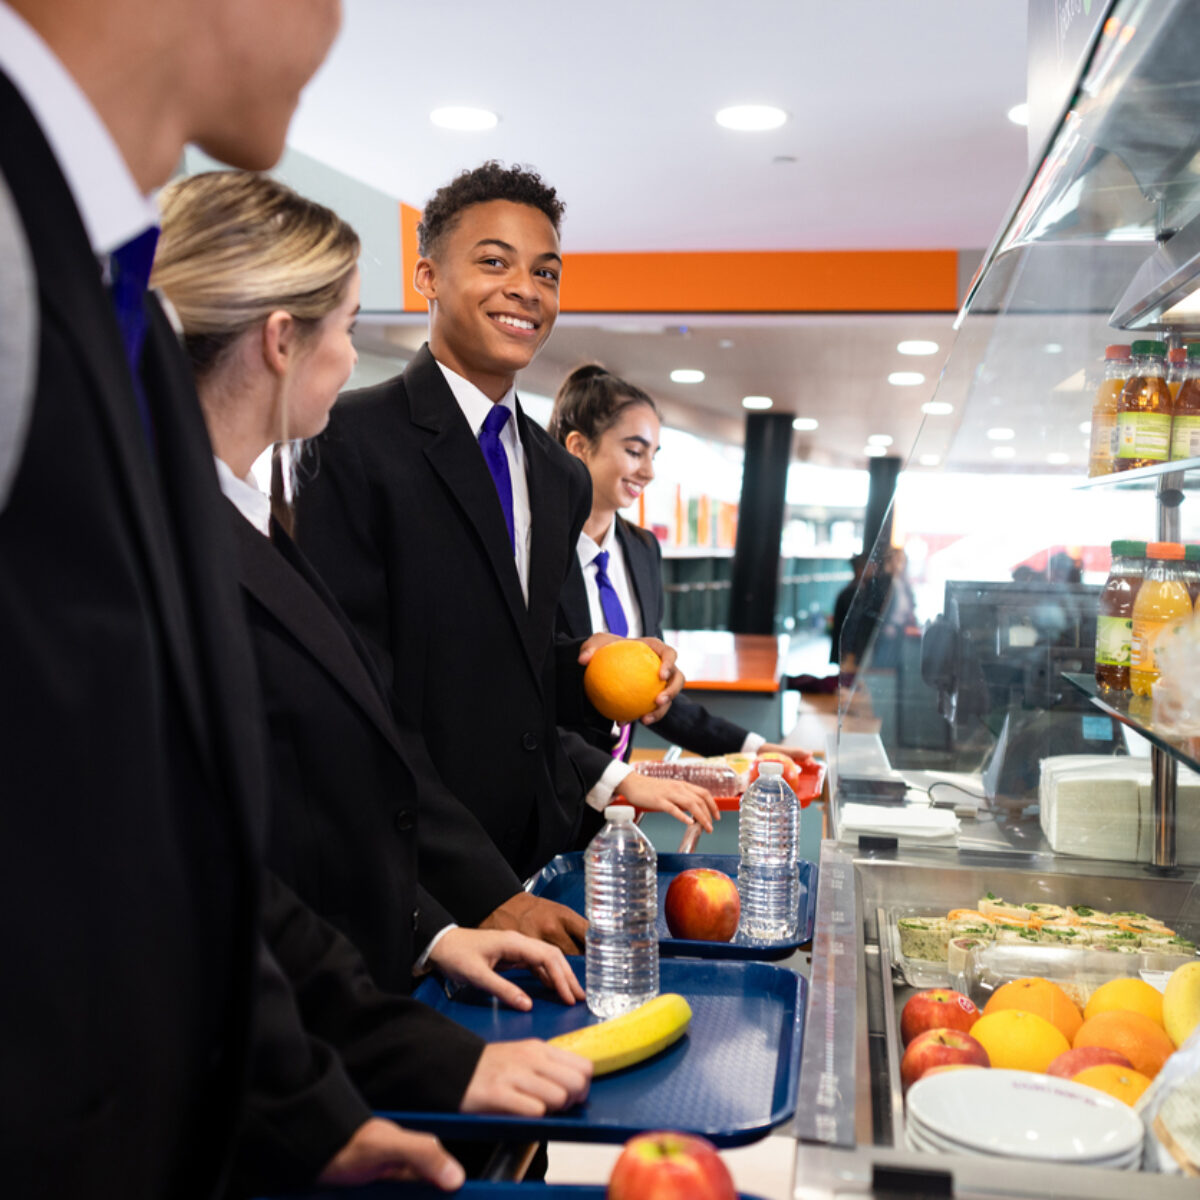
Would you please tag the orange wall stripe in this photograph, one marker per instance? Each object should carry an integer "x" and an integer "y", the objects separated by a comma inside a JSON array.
[
  {"x": 762, "y": 281},
  {"x": 409, "y": 219}
]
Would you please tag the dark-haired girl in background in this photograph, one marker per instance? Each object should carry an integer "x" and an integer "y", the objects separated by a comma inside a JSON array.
[{"x": 613, "y": 427}]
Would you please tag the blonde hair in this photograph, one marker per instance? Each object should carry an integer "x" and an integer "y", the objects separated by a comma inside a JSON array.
[{"x": 237, "y": 246}]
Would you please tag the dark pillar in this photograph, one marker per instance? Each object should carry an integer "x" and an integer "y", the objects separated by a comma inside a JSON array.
[
  {"x": 878, "y": 517},
  {"x": 760, "y": 523}
]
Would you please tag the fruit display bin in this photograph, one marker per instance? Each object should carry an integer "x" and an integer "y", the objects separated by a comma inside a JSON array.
[
  {"x": 562, "y": 880},
  {"x": 471, "y": 1190},
  {"x": 731, "y": 1078}
]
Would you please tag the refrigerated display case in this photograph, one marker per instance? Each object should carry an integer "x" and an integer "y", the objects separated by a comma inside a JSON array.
[{"x": 997, "y": 547}]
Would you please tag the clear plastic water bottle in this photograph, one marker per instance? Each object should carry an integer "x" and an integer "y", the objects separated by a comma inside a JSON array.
[
  {"x": 621, "y": 882},
  {"x": 768, "y": 876}
]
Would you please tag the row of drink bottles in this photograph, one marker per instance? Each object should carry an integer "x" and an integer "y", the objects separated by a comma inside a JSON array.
[
  {"x": 621, "y": 889},
  {"x": 1147, "y": 408},
  {"x": 1151, "y": 589}
]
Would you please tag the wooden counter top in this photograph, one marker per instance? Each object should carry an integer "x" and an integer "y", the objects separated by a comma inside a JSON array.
[{"x": 714, "y": 660}]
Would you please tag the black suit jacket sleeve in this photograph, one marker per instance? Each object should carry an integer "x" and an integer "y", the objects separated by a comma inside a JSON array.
[
  {"x": 301, "y": 1107},
  {"x": 398, "y": 1052}
]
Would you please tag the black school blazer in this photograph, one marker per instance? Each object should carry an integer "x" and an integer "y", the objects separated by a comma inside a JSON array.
[{"x": 402, "y": 521}]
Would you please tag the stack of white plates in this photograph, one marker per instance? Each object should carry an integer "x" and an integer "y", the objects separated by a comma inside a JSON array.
[{"x": 1017, "y": 1114}]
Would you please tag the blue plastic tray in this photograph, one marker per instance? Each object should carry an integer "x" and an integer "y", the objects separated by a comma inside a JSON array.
[
  {"x": 471, "y": 1190},
  {"x": 731, "y": 1078},
  {"x": 561, "y": 879}
]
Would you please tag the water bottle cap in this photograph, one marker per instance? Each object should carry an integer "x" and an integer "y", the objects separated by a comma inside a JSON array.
[
  {"x": 770, "y": 768},
  {"x": 620, "y": 814}
]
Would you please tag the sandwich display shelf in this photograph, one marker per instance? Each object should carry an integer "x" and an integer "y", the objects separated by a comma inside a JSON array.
[{"x": 1102, "y": 245}]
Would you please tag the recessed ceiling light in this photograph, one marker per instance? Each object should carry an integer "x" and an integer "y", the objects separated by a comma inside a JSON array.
[
  {"x": 875, "y": 451},
  {"x": 879, "y": 439},
  {"x": 1019, "y": 114},
  {"x": 917, "y": 346},
  {"x": 1001, "y": 434},
  {"x": 805, "y": 424},
  {"x": 930, "y": 460},
  {"x": 687, "y": 375},
  {"x": 464, "y": 119},
  {"x": 1085, "y": 427},
  {"x": 1053, "y": 348},
  {"x": 937, "y": 408},
  {"x": 1058, "y": 459},
  {"x": 750, "y": 118},
  {"x": 1003, "y": 452},
  {"x": 757, "y": 402},
  {"x": 905, "y": 378}
]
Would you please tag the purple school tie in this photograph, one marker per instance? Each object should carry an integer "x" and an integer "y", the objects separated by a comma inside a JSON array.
[
  {"x": 130, "y": 265},
  {"x": 497, "y": 463},
  {"x": 614, "y": 618}
]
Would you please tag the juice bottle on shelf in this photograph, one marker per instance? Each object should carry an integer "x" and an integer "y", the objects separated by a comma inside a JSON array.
[
  {"x": 1191, "y": 571},
  {"x": 1162, "y": 603},
  {"x": 1103, "y": 448},
  {"x": 1185, "y": 426},
  {"x": 1144, "y": 410},
  {"x": 1114, "y": 622},
  {"x": 1176, "y": 363}
]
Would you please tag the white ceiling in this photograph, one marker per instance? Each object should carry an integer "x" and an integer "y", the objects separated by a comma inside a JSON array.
[
  {"x": 897, "y": 126},
  {"x": 897, "y": 110}
]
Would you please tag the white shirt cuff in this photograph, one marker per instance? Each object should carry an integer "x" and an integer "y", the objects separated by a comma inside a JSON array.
[
  {"x": 752, "y": 743},
  {"x": 604, "y": 787},
  {"x": 421, "y": 966}
]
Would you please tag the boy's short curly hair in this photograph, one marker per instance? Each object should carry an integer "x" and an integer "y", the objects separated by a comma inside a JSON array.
[{"x": 491, "y": 181}]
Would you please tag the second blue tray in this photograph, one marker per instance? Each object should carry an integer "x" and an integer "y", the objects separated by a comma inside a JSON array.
[
  {"x": 731, "y": 1078},
  {"x": 561, "y": 879}
]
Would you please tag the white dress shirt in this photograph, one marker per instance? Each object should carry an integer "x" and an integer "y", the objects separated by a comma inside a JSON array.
[
  {"x": 618, "y": 574},
  {"x": 102, "y": 186},
  {"x": 475, "y": 407},
  {"x": 255, "y": 506}
]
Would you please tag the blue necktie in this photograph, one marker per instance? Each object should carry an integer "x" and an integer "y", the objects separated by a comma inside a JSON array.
[
  {"x": 610, "y": 602},
  {"x": 131, "y": 265},
  {"x": 497, "y": 463},
  {"x": 614, "y": 618}
]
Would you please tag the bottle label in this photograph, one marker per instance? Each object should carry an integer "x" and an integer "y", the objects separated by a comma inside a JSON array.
[
  {"x": 1147, "y": 635},
  {"x": 1185, "y": 437},
  {"x": 1144, "y": 435},
  {"x": 1114, "y": 641},
  {"x": 1104, "y": 442}
]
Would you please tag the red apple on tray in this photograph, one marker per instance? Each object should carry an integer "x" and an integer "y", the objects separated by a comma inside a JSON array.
[
  {"x": 1068, "y": 1064},
  {"x": 940, "y": 1048},
  {"x": 938, "y": 1008},
  {"x": 702, "y": 905},
  {"x": 670, "y": 1166}
]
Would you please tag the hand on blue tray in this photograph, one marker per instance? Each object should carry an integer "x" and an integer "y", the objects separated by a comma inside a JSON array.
[
  {"x": 381, "y": 1150},
  {"x": 540, "y": 918},
  {"x": 477, "y": 956},
  {"x": 529, "y": 1078}
]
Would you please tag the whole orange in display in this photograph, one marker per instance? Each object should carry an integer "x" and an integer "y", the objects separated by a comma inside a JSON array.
[
  {"x": 1132, "y": 995},
  {"x": 1144, "y": 1043},
  {"x": 702, "y": 904},
  {"x": 1019, "y": 1040},
  {"x": 1038, "y": 996},
  {"x": 1121, "y": 1082},
  {"x": 621, "y": 680}
]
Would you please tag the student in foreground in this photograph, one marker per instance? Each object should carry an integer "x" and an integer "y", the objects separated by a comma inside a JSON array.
[{"x": 445, "y": 522}]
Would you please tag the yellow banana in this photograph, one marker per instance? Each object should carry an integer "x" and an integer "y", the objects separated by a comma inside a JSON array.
[{"x": 631, "y": 1037}]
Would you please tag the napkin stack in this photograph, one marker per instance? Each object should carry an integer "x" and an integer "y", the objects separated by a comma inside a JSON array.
[{"x": 1100, "y": 806}]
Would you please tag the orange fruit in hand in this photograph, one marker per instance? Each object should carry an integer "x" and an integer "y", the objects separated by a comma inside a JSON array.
[
  {"x": 1133, "y": 995},
  {"x": 621, "y": 680},
  {"x": 1038, "y": 996},
  {"x": 1121, "y": 1082},
  {"x": 1019, "y": 1040},
  {"x": 1144, "y": 1043}
]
